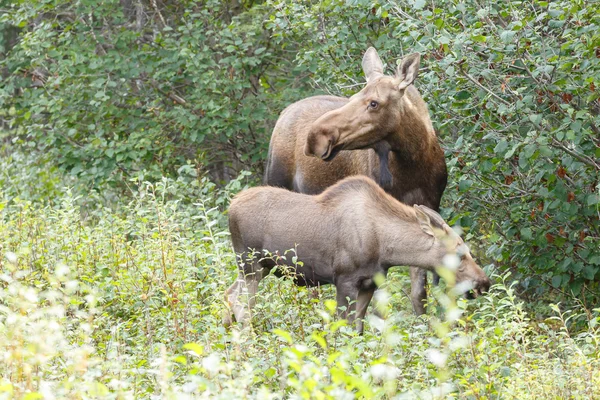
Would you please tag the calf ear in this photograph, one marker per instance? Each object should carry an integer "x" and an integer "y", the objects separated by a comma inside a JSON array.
[
  {"x": 408, "y": 70},
  {"x": 371, "y": 64},
  {"x": 424, "y": 222},
  {"x": 435, "y": 217}
]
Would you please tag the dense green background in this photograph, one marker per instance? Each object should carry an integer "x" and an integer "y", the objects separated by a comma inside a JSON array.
[{"x": 112, "y": 92}]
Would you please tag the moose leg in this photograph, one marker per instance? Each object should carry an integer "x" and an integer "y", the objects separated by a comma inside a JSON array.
[
  {"x": 385, "y": 176},
  {"x": 347, "y": 292},
  {"x": 362, "y": 303},
  {"x": 231, "y": 297},
  {"x": 246, "y": 284},
  {"x": 418, "y": 294}
]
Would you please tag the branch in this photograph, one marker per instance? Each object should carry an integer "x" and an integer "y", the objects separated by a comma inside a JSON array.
[
  {"x": 584, "y": 159},
  {"x": 93, "y": 33},
  {"x": 479, "y": 85},
  {"x": 172, "y": 96},
  {"x": 162, "y": 19}
]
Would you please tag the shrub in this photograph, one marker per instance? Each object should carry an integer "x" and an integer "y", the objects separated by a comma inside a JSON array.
[
  {"x": 512, "y": 88},
  {"x": 126, "y": 302}
]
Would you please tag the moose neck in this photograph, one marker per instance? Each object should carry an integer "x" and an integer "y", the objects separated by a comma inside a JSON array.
[
  {"x": 414, "y": 139},
  {"x": 404, "y": 243}
]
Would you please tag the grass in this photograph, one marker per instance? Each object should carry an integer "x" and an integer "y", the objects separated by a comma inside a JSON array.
[{"x": 126, "y": 302}]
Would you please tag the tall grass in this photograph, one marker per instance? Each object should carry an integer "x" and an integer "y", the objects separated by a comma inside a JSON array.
[{"x": 126, "y": 302}]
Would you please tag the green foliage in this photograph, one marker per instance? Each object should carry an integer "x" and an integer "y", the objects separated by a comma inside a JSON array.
[
  {"x": 121, "y": 92},
  {"x": 114, "y": 88},
  {"x": 514, "y": 93},
  {"x": 126, "y": 302}
]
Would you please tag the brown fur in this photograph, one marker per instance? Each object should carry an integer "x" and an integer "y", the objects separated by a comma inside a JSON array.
[
  {"x": 344, "y": 236},
  {"x": 323, "y": 125}
]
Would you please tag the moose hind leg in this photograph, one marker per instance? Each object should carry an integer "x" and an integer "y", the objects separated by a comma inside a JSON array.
[
  {"x": 232, "y": 298},
  {"x": 246, "y": 286},
  {"x": 418, "y": 293}
]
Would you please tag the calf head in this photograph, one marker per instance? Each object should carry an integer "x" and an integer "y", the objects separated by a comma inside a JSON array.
[
  {"x": 468, "y": 275},
  {"x": 369, "y": 116}
]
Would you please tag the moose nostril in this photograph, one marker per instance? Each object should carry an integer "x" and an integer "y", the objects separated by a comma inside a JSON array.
[
  {"x": 327, "y": 149},
  {"x": 484, "y": 285}
]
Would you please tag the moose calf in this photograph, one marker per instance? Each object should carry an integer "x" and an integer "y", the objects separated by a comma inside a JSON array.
[{"x": 344, "y": 236}]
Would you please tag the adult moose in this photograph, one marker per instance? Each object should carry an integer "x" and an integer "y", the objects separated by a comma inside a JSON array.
[
  {"x": 387, "y": 126},
  {"x": 345, "y": 236}
]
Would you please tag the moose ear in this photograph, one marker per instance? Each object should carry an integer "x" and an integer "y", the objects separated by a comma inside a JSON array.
[
  {"x": 408, "y": 70},
  {"x": 371, "y": 64},
  {"x": 435, "y": 218},
  {"x": 424, "y": 222}
]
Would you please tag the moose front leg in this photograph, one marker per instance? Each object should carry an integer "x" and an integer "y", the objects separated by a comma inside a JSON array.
[
  {"x": 418, "y": 293},
  {"x": 346, "y": 295},
  {"x": 383, "y": 152},
  {"x": 362, "y": 303}
]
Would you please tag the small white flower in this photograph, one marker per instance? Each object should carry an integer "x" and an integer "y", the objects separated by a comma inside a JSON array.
[
  {"x": 382, "y": 296},
  {"x": 61, "y": 270},
  {"x": 454, "y": 314},
  {"x": 376, "y": 322},
  {"x": 31, "y": 295},
  {"x": 436, "y": 357},
  {"x": 459, "y": 342},
  {"x": 393, "y": 339},
  {"x": 11, "y": 257},
  {"x": 463, "y": 287},
  {"x": 211, "y": 363},
  {"x": 384, "y": 372},
  {"x": 71, "y": 286},
  {"x": 451, "y": 261}
]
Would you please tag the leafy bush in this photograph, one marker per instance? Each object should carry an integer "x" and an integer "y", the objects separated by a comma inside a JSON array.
[
  {"x": 113, "y": 88},
  {"x": 126, "y": 302},
  {"x": 513, "y": 91},
  {"x": 114, "y": 287},
  {"x": 122, "y": 90}
]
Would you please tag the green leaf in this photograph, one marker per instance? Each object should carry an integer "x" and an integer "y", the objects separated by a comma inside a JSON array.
[
  {"x": 589, "y": 272},
  {"x": 464, "y": 185},
  {"x": 535, "y": 118},
  {"x": 180, "y": 360},
  {"x": 319, "y": 339},
  {"x": 556, "y": 280},
  {"x": 526, "y": 233},
  {"x": 565, "y": 264},
  {"x": 418, "y": 4},
  {"x": 283, "y": 335},
  {"x": 576, "y": 126},
  {"x": 501, "y": 147},
  {"x": 507, "y": 36},
  {"x": 195, "y": 347},
  {"x": 270, "y": 372},
  {"x": 462, "y": 95}
]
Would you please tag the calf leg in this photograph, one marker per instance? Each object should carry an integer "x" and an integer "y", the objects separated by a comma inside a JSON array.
[
  {"x": 231, "y": 299},
  {"x": 362, "y": 303},
  {"x": 245, "y": 284},
  {"x": 436, "y": 279},
  {"x": 346, "y": 295},
  {"x": 418, "y": 294}
]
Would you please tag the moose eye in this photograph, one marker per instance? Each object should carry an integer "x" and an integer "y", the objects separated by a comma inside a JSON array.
[{"x": 373, "y": 105}]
